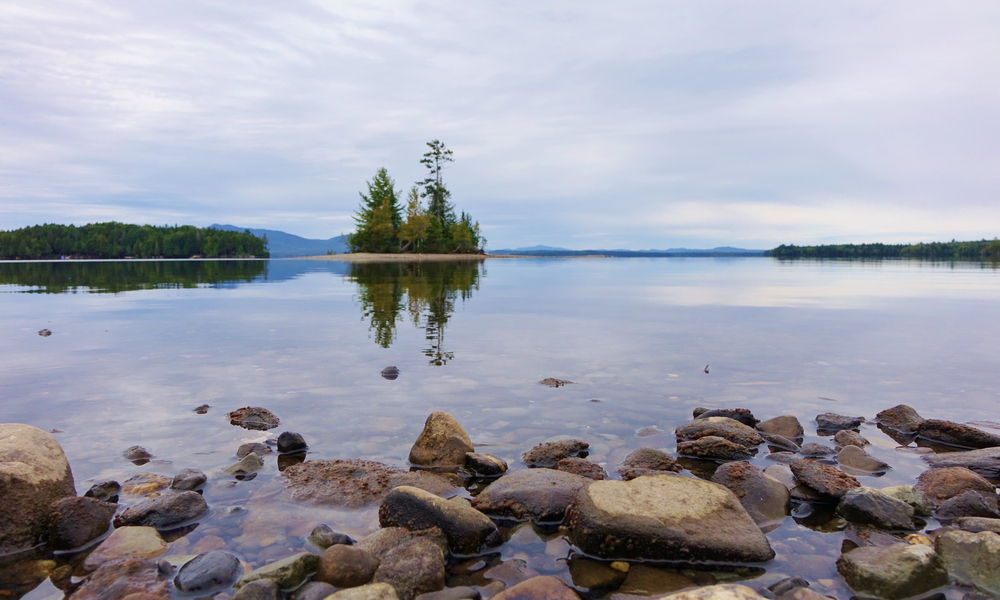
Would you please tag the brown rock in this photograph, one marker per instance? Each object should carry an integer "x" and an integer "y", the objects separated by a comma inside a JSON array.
[
  {"x": 646, "y": 461},
  {"x": 939, "y": 484},
  {"x": 828, "y": 481},
  {"x": 144, "y": 484},
  {"x": 355, "y": 483},
  {"x": 346, "y": 566},
  {"x": 549, "y": 453},
  {"x": 379, "y": 542},
  {"x": 856, "y": 458},
  {"x": 847, "y": 437},
  {"x": 126, "y": 542},
  {"x": 901, "y": 418},
  {"x": 581, "y": 467},
  {"x": 442, "y": 443},
  {"x": 968, "y": 504},
  {"x": 530, "y": 494},
  {"x": 787, "y": 426},
  {"x": 254, "y": 418},
  {"x": 714, "y": 448},
  {"x": 544, "y": 587},
  {"x": 414, "y": 567},
  {"x": 956, "y": 434},
  {"x": 765, "y": 499},
  {"x": 132, "y": 578},
  {"x": 76, "y": 521},
  {"x": 722, "y": 427},
  {"x": 743, "y": 415}
]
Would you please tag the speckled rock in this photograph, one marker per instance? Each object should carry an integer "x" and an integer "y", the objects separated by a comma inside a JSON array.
[
  {"x": 854, "y": 457},
  {"x": 765, "y": 499},
  {"x": 848, "y": 437},
  {"x": 414, "y": 567},
  {"x": 530, "y": 494},
  {"x": 254, "y": 418},
  {"x": 830, "y": 422},
  {"x": 132, "y": 578},
  {"x": 581, "y": 467},
  {"x": 164, "y": 512},
  {"x": 355, "y": 483},
  {"x": 787, "y": 426},
  {"x": 288, "y": 573},
  {"x": 547, "y": 454},
  {"x": 714, "y": 448},
  {"x": 972, "y": 558},
  {"x": 922, "y": 506},
  {"x": 75, "y": 521},
  {"x": 872, "y": 507},
  {"x": 466, "y": 528},
  {"x": 722, "y": 427},
  {"x": 442, "y": 443},
  {"x": 485, "y": 465},
  {"x": 188, "y": 480},
  {"x": 956, "y": 434},
  {"x": 646, "y": 461},
  {"x": 828, "y": 481},
  {"x": 126, "y": 542},
  {"x": 901, "y": 418},
  {"x": 346, "y": 566},
  {"x": 938, "y": 485},
  {"x": 893, "y": 573}
]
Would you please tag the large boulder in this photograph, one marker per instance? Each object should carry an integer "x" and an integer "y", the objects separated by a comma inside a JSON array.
[
  {"x": 956, "y": 434},
  {"x": 660, "y": 517},
  {"x": 765, "y": 499},
  {"x": 34, "y": 473},
  {"x": 972, "y": 558},
  {"x": 466, "y": 528},
  {"x": 893, "y": 572},
  {"x": 442, "y": 443},
  {"x": 530, "y": 494}
]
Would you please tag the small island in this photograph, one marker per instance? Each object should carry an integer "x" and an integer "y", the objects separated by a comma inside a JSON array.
[{"x": 984, "y": 250}]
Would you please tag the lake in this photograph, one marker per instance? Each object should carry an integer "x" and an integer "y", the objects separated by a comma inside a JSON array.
[{"x": 136, "y": 346}]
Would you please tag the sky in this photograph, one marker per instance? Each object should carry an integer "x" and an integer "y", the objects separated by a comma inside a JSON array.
[{"x": 577, "y": 124}]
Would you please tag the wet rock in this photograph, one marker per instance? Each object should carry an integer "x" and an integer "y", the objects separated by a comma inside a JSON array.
[
  {"x": 828, "y": 481},
  {"x": 872, "y": 507},
  {"x": 138, "y": 455},
  {"x": 830, "y": 422},
  {"x": 530, "y": 494},
  {"x": 355, "y": 483},
  {"x": 985, "y": 462},
  {"x": 323, "y": 537},
  {"x": 581, "y": 467},
  {"x": 442, "y": 443},
  {"x": 126, "y": 542},
  {"x": 34, "y": 473},
  {"x": 144, "y": 484},
  {"x": 381, "y": 541},
  {"x": 246, "y": 465},
  {"x": 922, "y": 507},
  {"x": 207, "y": 572},
  {"x": 956, "y": 434},
  {"x": 977, "y": 524},
  {"x": 134, "y": 578},
  {"x": 594, "y": 577},
  {"x": 893, "y": 573},
  {"x": 511, "y": 572},
  {"x": 722, "y": 427},
  {"x": 466, "y": 528},
  {"x": 188, "y": 480},
  {"x": 787, "y": 426},
  {"x": 664, "y": 518},
  {"x": 938, "y": 485},
  {"x": 968, "y": 504},
  {"x": 453, "y": 593},
  {"x": 782, "y": 474},
  {"x": 765, "y": 499},
  {"x": 743, "y": 415},
  {"x": 288, "y": 573},
  {"x": 549, "y": 453},
  {"x": 783, "y": 457},
  {"x": 857, "y": 535},
  {"x": 314, "y": 590},
  {"x": 972, "y": 558},
  {"x": 485, "y": 465},
  {"x": 44, "y": 332},
  {"x": 391, "y": 373},
  {"x": 723, "y": 591},
  {"x": 901, "y": 418},
  {"x": 254, "y": 418},
  {"x": 104, "y": 491},
  {"x": 714, "y": 448},
  {"x": 414, "y": 567},
  {"x": 646, "y": 461},
  {"x": 252, "y": 448},
  {"x": 372, "y": 591},
  {"x": 346, "y": 566},
  {"x": 164, "y": 512},
  {"x": 813, "y": 449},
  {"x": 779, "y": 442},
  {"x": 75, "y": 521},
  {"x": 848, "y": 437},
  {"x": 291, "y": 442},
  {"x": 553, "y": 382},
  {"x": 856, "y": 458},
  {"x": 543, "y": 587},
  {"x": 202, "y": 410}
]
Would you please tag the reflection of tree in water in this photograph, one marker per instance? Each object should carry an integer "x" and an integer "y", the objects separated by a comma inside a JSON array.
[
  {"x": 426, "y": 292},
  {"x": 116, "y": 276}
]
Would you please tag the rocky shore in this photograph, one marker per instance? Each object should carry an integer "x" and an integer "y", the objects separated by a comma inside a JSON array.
[{"x": 449, "y": 526}]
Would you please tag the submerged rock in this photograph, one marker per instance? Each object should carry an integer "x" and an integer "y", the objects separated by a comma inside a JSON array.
[
  {"x": 901, "y": 418},
  {"x": 549, "y": 453},
  {"x": 831, "y": 422},
  {"x": 765, "y": 499},
  {"x": 646, "y": 461},
  {"x": 872, "y": 507},
  {"x": 164, "y": 512},
  {"x": 530, "y": 494},
  {"x": 722, "y": 427},
  {"x": 125, "y": 578},
  {"x": 956, "y": 434},
  {"x": 893, "y": 573},
  {"x": 722, "y": 591},
  {"x": 985, "y": 462},
  {"x": 743, "y": 415},
  {"x": 442, "y": 443},
  {"x": 144, "y": 484},
  {"x": 372, "y": 591},
  {"x": 828, "y": 481},
  {"x": 787, "y": 426},
  {"x": 126, "y": 542},
  {"x": 254, "y": 418},
  {"x": 779, "y": 442},
  {"x": 543, "y": 587},
  {"x": 288, "y": 573},
  {"x": 466, "y": 528},
  {"x": 582, "y": 467},
  {"x": 938, "y": 485},
  {"x": 354, "y": 483}
]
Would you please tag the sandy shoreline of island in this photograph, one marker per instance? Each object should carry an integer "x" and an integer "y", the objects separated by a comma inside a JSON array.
[{"x": 371, "y": 257}]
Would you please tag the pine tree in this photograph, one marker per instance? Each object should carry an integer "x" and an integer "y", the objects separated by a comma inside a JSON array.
[
  {"x": 434, "y": 188},
  {"x": 378, "y": 218}
]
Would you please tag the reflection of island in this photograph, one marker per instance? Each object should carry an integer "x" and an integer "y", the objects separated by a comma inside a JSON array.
[
  {"x": 57, "y": 277},
  {"x": 426, "y": 292}
]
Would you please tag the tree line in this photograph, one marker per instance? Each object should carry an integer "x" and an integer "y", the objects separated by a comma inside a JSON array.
[
  {"x": 121, "y": 240},
  {"x": 382, "y": 226},
  {"x": 981, "y": 250},
  {"x": 114, "y": 277}
]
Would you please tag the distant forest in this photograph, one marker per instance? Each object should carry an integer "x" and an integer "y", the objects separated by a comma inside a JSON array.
[
  {"x": 120, "y": 240},
  {"x": 982, "y": 250}
]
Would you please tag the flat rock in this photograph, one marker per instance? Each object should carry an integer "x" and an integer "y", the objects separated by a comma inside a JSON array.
[
  {"x": 857, "y": 535},
  {"x": 414, "y": 567},
  {"x": 765, "y": 499},
  {"x": 646, "y": 461},
  {"x": 485, "y": 465},
  {"x": 812, "y": 449},
  {"x": 355, "y": 483},
  {"x": 126, "y": 542},
  {"x": 372, "y": 591},
  {"x": 132, "y": 578},
  {"x": 956, "y": 434},
  {"x": 972, "y": 558},
  {"x": 287, "y": 573},
  {"x": 581, "y": 467},
  {"x": 938, "y": 485},
  {"x": 660, "y": 517},
  {"x": 144, "y": 484},
  {"x": 75, "y": 521},
  {"x": 714, "y": 448},
  {"x": 254, "y": 418},
  {"x": 442, "y": 443},
  {"x": 723, "y": 427},
  {"x": 530, "y": 494},
  {"x": 830, "y": 422},
  {"x": 723, "y": 591},
  {"x": 466, "y": 528},
  {"x": 968, "y": 504},
  {"x": 849, "y": 437},
  {"x": 780, "y": 442},
  {"x": 246, "y": 465},
  {"x": 547, "y": 454},
  {"x": 787, "y": 426},
  {"x": 543, "y": 587},
  {"x": 188, "y": 480},
  {"x": 855, "y": 458},
  {"x": 208, "y": 572},
  {"x": 164, "y": 512},
  {"x": 985, "y": 462},
  {"x": 901, "y": 418},
  {"x": 894, "y": 572},
  {"x": 977, "y": 524},
  {"x": 553, "y": 382},
  {"x": 254, "y": 447},
  {"x": 346, "y": 566},
  {"x": 828, "y": 481},
  {"x": 743, "y": 415},
  {"x": 872, "y": 507}
]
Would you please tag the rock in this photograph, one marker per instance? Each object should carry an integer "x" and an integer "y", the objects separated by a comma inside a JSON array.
[
  {"x": 543, "y": 587},
  {"x": 466, "y": 528},
  {"x": 781, "y": 443},
  {"x": 346, "y": 566},
  {"x": 202, "y": 410},
  {"x": 977, "y": 524},
  {"x": 722, "y": 427},
  {"x": 956, "y": 434},
  {"x": 985, "y": 462},
  {"x": 207, "y": 572},
  {"x": 830, "y": 422},
  {"x": 442, "y": 443},
  {"x": 646, "y": 461},
  {"x": 323, "y": 537},
  {"x": 381, "y": 541},
  {"x": 355, "y": 483},
  {"x": 485, "y": 465},
  {"x": 291, "y": 442},
  {"x": 781, "y": 473},
  {"x": 137, "y": 453},
  {"x": 390, "y": 373},
  {"x": 453, "y": 593},
  {"x": 262, "y": 589},
  {"x": 595, "y": 577},
  {"x": 530, "y": 494},
  {"x": 548, "y": 454},
  {"x": 765, "y": 499},
  {"x": 510, "y": 572},
  {"x": 856, "y": 458},
  {"x": 857, "y": 535},
  {"x": 75, "y": 521},
  {"x": 104, "y": 491},
  {"x": 188, "y": 480},
  {"x": 372, "y": 591},
  {"x": 787, "y": 426},
  {"x": 938, "y": 485},
  {"x": 252, "y": 447},
  {"x": 246, "y": 465},
  {"x": 44, "y": 332},
  {"x": 901, "y": 418},
  {"x": 968, "y": 504},
  {"x": 133, "y": 578},
  {"x": 813, "y": 449},
  {"x": 144, "y": 484},
  {"x": 290, "y": 459},
  {"x": 787, "y": 585},
  {"x": 830, "y": 482},
  {"x": 553, "y": 382},
  {"x": 714, "y": 448},
  {"x": 872, "y": 507},
  {"x": 972, "y": 558},
  {"x": 922, "y": 507},
  {"x": 314, "y": 590},
  {"x": 164, "y": 512},
  {"x": 254, "y": 418},
  {"x": 414, "y": 567},
  {"x": 724, "y": 591},
  {"x": 661, "y": 517},
  {"x": 581, "y": 467},
  {"x": 742, "y": 415},
  {"x": 126, "y": 542},
  {"x": 848, "y": 437},
  {"x": 895, "y": 572},
  {"x": 34, "y": 473},
  {"x": 288, "y": 573}
]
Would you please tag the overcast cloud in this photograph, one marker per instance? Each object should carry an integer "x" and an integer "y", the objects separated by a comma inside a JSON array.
[{"x": 578, "y": 124}]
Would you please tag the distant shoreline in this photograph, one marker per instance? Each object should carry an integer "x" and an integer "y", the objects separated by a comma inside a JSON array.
[{"x": 361, "y": 257}]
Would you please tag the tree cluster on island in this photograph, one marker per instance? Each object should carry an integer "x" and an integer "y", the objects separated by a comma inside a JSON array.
[
  {"x": 984, "y": 250},
  {"x": 121, "y": 240},
  {"x": 430, "y": 229}
]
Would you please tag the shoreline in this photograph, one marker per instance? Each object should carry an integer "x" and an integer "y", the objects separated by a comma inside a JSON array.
[{"x": 371, "y": 257}]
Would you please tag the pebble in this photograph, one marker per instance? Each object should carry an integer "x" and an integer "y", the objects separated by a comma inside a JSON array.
[
  {"x": 254, "y": 448},
  {"x": 104, "y": 491},
  {"x": 188, "y": 480},
  {"x": 246, "y": 465},
  {"x": 291, "y": 442}
]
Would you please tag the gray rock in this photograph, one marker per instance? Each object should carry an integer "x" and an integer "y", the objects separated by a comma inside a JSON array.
[
  {"x": 722, "y": 427},
  {"x": 714, "y": 448},
  {"x": 530, "y": 494},
  {"x": 857, "y": 535},
  {"x": 646, "y": 461},
  {"x": 856, "y": 458},
  {"x": 246, "y": 465},
  {"x": 485, "y": 465},
  {"x": 291, "y": 442},
  {"x": 787, "y": 426},
  {"x": 893, "y": 573},
  {"x": 379, "y": 542},
  {"x": 262, "y": 589},
  {"x": 314, "y": 590},
  {"x": 812, "y": 449},
  {"x": 956, "y": 434},
  {"x": 742, "y": 415},
  {"x": 442, "y": 443},
  {"x": 34, "y": 473},
  {"x": 390, "y": 373},
  {"x": 972, "y": 558},
  {"x": 781, "y": 473},
  {"x": 545, "y": 587},
  {"x": 372, "y": 591},
  {"x": 208, "y": 572},
  {"x": 164, "y": 512},
  {"x": 922, "y": 507},
  {"x": 137, "y": 454},
  {"x": 968, "y": 504},
  {"x": 661, "y": 517},
  {"x": 938, "y": 485},
  {"x": 581, "y": 467},
  {"x": 466, "y": 528},
  {"x": 287, "y": 573},
  {"x": 830, "y": 482},
  {"x": 830, "y": 422},
  {"x": 872, "y": 507},
  {"x": 765, "y": 499},
  {"x": 124, "y": 577},
  {"x": 414, "y": 567},
  {"x": 549, "y": 453},
  {"x": 779, "y": 442},
  {"x": 75, "y": 521},
  {"x": 188, "y": 480},
  {"x": 977, "y": 524},
  {"x": 985, "y": 462},
  {"x": 848, "y": 437},
  {"x": 901, "y": 418},
  {"x": 104, "y": 491},
  {"x": 252, "y": 447},
  {"x": 346, "y": 566},
  {"x": 453, "y": 593},
  {"x": 323, "y": 537}
]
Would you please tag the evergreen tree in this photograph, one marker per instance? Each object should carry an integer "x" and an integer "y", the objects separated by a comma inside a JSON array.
[
  {"x": 378, "y": 218},
  {"x": 434, "y": 188},
  {"x": 414, "y": 230}
]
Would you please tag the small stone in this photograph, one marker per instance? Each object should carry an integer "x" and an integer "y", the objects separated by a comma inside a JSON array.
[
  {"x": 288, "y": 573},
  {"x": 144, "y": 484},
  {"x": 314, "y": 590},
  {"x": 126, "y": 542},
  {"x": 901, "y": 418},
  {"x": 104, "y": 490},
  {"x": 246, "y": 465},
  {"x": 743, "y": 415},
  {"x": 254, "y": 418},
  {"x": 442, "y": 443},
  {"x": 414, "y": 567},
  {"x": 390, "y": 373},
  {"x": 713, "y": 447},
  {"x": 207, "y": 572},
  {"x": 581, "y": 467},
  {"x": 75, "y": 521},
  {"x": 323, "y": 537},
  {"x": 188, "y": 480},
  {"x": 828, "y": 481},
  {"x": 868, "y": 506},
  {"x": 291, "y": 442},
  {"x": 943, "y": 483},
  {"x": 137, "y": 453},
  {"x": 262, "y": 589},
  {"x": 372, "y": 591},
  {"x": 548, "y": 454},
  {"x": 252, "y": 448},
  {"x": 786, "y": 426},
  {"x": 813, "y": 449},
  {"x": 893, "y": 573},
  {"x": 830, "y": 422},
  {"x": 553, "y": 382},
  {"x": 44, "y": 332},
  {"x": 202, "y": 410},
  {"x": 646, "y": 461},
  {"x": 856, "y": 458},
  {"x": 485, "y": 465},
  {"x": 346, "y": 566},
  {"x": 848, "y": 437},
  {"x": 164, "y": 512}
]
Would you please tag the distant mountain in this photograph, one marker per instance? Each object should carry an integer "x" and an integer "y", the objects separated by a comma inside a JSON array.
[
  {"x": 286, "y": 245},
  {"x": 533, "y": 249}
]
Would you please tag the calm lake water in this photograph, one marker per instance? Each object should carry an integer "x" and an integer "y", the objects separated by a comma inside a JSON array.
[{"x": 136, "y": 346}]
